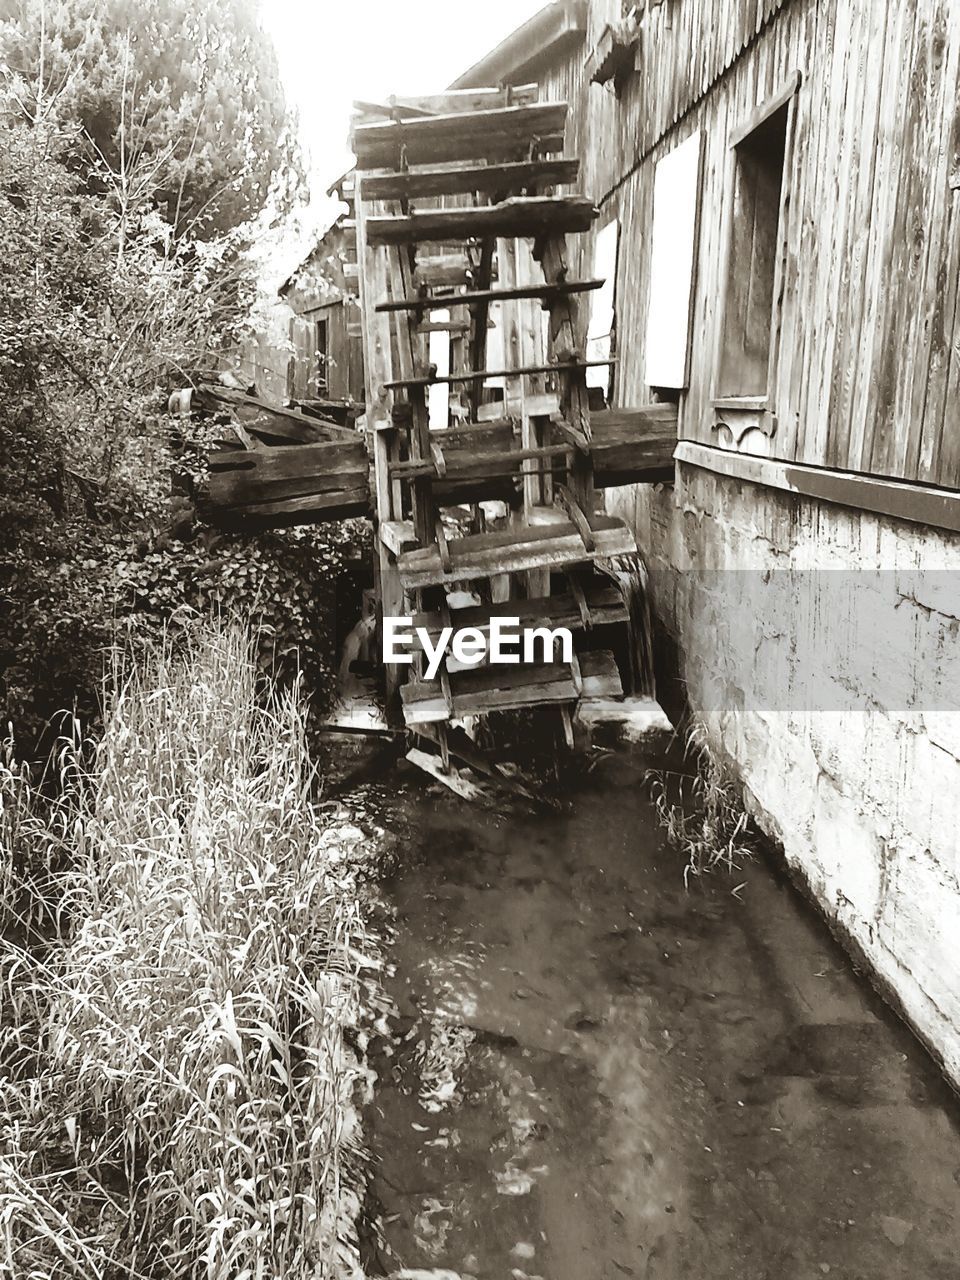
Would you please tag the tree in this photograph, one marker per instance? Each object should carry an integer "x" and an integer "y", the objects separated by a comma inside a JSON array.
[
  {"x": 107, "y": 299},
  {"x": 176, "y": 100}
]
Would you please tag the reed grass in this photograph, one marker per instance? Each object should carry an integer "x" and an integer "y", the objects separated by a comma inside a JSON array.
[
  {"x": 183, "y": 966},
  {"x": 701, "y": 812}
]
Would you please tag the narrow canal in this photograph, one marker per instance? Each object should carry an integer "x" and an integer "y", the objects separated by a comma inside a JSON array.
[{"x": 595, "y": 1073}]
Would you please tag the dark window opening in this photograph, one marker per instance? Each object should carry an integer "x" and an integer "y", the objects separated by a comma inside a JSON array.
[
  {"x": 322, "y": 356},
  {"x": 751, "y": 267}
]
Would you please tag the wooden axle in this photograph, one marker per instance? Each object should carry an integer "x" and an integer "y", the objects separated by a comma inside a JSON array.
[
  {"x": 545, "y": 292},
  {"x": 480, "y": 375}
]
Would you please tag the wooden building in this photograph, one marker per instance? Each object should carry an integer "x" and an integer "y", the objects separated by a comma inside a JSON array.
[
  {"x": 327, "y": 361},
  {"x": 779, "y": 186}
]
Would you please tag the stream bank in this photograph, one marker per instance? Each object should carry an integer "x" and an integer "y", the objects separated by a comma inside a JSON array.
[{"x": 593, "y": 1073}]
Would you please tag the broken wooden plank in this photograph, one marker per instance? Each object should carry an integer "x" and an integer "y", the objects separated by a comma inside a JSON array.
[
  {"x": 268, "y": 421},
  {"x": 632, "y": 446},
  {"x": 520, "y": 216},
  {"x": 502, "y": 134},
  {"x": 545, "y": 292},
  {"x": 447, "y": 180}
]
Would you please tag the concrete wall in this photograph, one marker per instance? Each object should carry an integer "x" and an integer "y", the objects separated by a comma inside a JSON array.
[{"x": 821, "y": 648}]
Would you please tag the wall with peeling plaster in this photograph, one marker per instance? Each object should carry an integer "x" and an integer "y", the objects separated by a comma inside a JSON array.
[{"x": 821, "y": 648}]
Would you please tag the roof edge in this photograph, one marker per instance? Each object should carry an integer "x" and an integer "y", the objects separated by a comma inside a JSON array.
[{"x": 553, "y": 28}]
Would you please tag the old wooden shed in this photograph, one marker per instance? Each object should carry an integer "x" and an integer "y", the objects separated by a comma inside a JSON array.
[{"x": 325, "y": 331}]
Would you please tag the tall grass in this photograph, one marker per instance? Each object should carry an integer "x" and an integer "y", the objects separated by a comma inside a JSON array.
[
  {"x": 702, "y": 812},
  {"x": 182, "y": 958}
]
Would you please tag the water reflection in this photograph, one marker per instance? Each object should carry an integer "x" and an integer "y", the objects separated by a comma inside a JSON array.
[{"x": 594, "y": 1074}]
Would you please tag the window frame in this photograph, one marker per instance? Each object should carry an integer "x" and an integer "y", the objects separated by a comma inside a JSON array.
[
  {"x": 755, "y": 410},
  {"x": 611, "y": 387},
  {"x": 679, "y": 391}
]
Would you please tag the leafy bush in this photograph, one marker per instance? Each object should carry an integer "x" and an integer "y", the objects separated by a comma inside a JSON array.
[{"x": 104, "y": 304}]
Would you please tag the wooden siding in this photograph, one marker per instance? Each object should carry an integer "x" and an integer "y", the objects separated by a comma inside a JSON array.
[
  {"x": 320, "y": 290},
  {"x": 867, "y": 328},
  {"x": 344, "y": 366}
]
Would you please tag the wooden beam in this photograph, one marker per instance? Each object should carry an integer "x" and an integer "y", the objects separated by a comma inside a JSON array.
[
  {"x": 269, "y": 420},
  {"x": 902, "y": 500},
  {"x": 545, "y": 292},
  {"x": 592, "y": 677},
  {"x": 604, "y": 606},
  {"x": 513, "y": 551},
  {"x": 307, "y": 509},
  {"x": 480, "y": 375},
  {"x": 459, "y": 100},
  {"x": 446, "y": 180},
  {"x": 520, "y": 216},
  {"x": 503, "y": 134}
]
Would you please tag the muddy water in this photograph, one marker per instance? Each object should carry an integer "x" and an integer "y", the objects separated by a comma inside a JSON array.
[{"x": 597, "y": 1074}]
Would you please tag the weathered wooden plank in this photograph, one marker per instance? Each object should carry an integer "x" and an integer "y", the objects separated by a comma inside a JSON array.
[
  {"x": 440, "y": 271},
  {"x": 383, "y": 442},
  {"x": 424, "y": 703},
  {"x": 903, "y": 500},
  {"x": 519, "y": 216},
  {"x": 481, "y": 690},
  {"x": 518, "y": 550},
  {"x": 603, "y": 602},
  {"x": 317, "y": 459},
  {"x": 269, "y": 420},
  {"x": 480, "y": 375},
  {"x": 856, "y": 284},
  {"x": 307, "y": 509},
  {"x": 940, "y": 445},
  {"x": 271, "y": 475},
  {"x": 841, "y": 92},
  {"x": 446, "y": 180},
  {"x": 463, "y": 464},
  {"x": 457, "y": 100},
  {"x": 931, "y": 221},
  {"x": 873, "y": 406},
  {"x": 501, "y": 134},
  {"x": 424, "y": 512},
  {"x": 546, "y": 292}
]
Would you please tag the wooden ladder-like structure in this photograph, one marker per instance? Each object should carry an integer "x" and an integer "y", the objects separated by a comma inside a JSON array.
[{"x": 446, "y": 199}]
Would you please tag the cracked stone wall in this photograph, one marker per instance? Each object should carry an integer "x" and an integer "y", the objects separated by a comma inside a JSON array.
[{"x": 820, "y": 646}]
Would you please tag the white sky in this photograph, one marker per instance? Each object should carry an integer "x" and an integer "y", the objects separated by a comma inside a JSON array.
[{"x": 333, "y": 51}]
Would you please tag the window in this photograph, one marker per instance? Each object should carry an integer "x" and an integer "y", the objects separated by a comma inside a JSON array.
[
  {"x": 758, "y": 156},
  {"x": 601, "y": 339},
  {"x": 322, "y": 357},
  {"x": 673, "y": 243},
  {"x": 438, "y": 395}
]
